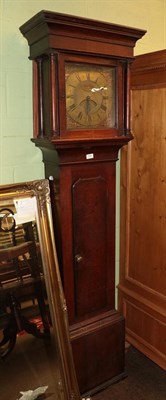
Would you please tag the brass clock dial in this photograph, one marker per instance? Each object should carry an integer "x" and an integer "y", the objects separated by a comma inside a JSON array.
[{"x": 90, "y": 96}]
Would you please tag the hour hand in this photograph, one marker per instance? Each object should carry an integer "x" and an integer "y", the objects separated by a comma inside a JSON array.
[{"x": 89, "y": 104}]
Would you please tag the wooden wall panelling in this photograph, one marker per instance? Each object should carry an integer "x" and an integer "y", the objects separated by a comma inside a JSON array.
[{"x": 142, "y": 288}]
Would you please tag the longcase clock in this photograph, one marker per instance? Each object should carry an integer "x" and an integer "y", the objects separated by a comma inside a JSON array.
[{"x": 81, "y": 80}]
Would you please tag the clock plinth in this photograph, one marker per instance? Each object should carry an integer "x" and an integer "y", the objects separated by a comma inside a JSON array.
[
  {"x": 81, "y": 72},
  {"x": 99, "y": 365}
]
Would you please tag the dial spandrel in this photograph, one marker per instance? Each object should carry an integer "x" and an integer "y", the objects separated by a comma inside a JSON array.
[{"x": 90, "y": 96}]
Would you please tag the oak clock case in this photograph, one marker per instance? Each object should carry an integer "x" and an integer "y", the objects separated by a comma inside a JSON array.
[{"x": 81, "y": 82}]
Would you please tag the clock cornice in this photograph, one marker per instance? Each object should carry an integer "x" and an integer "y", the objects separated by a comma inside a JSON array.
[{"x": 63, "y": 32}]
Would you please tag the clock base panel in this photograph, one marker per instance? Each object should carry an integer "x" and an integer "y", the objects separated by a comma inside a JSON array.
[{"x": 98, "y": 349}]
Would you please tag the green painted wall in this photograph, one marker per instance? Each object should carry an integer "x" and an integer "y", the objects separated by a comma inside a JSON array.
[{"x": 20, "y": 160}]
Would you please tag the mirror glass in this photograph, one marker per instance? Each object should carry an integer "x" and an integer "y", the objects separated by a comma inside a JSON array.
[{"x": 35, "y": 351}]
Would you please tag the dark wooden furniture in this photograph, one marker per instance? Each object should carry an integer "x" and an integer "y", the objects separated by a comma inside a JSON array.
[
  {"x": 81, "y": 82},
  {"x": 21, "y": 281},
  {"x": 12, "y": 289},
  {"x": 142, "y": 288}
]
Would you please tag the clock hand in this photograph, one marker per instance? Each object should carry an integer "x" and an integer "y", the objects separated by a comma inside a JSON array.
[
  {"x": 98, "y": 89},
  {"x": 89, "y": 103}
]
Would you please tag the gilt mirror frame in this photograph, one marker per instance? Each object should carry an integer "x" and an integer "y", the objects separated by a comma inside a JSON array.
[{"x": 40, "y": 190}]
